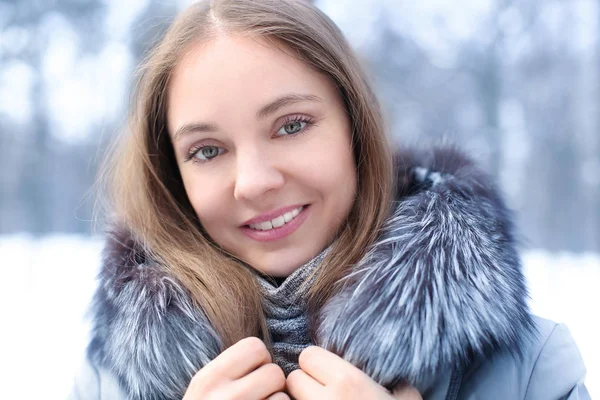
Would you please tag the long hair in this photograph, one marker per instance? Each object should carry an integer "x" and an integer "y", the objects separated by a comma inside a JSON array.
[{"x": 145, "y": 188}]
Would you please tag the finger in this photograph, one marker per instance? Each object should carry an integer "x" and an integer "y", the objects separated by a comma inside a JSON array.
[
  {"x": 302, "y": 386},
  {"x": 323, "y": 365},
  {"x": 258, "y": 384},
  {"x": 278, "y": 396},
  {"x": 240, "y": 359},
  {"x": 406, "y": 392}
]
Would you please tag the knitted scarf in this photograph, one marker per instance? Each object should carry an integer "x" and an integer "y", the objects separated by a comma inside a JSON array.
[{"x": 285, "y": 311}]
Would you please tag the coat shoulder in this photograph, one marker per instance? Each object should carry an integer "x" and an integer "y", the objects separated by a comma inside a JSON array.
[
  {"x": 551, "y": 367},
  {"x": 93, "y": 382},
  {"x": 558, "y": 370}
]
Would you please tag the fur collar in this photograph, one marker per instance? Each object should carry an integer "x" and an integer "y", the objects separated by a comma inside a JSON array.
[{"x": 443, "y": 284}]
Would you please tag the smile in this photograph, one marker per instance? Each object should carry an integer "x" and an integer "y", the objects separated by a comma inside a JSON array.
[
  {"x": 279, "y": 226},
  {"x": 278, "y": 221}
]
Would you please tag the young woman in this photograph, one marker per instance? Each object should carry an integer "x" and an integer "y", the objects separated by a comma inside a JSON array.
[{"x": 268, "y": 243}]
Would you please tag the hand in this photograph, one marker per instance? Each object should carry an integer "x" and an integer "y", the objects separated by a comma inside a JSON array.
[
  {"x": 324, "y": 375},
  {"x": 243, "y": 371}
]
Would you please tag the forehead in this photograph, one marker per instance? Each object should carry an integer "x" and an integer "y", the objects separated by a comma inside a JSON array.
[{"x": 238, "y": 72}]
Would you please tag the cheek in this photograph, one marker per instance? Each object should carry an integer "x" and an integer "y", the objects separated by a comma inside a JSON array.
[
  {"x": 205, "y": 195},
  {"x": 345, "y": 181},
  {"x": 335, "y": 173}
]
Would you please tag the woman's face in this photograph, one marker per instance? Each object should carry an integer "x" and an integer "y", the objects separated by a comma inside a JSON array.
[{"x": 263, "y": 144}]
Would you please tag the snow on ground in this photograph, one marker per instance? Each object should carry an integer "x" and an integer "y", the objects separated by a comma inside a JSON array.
[{"x": 47, "y": 284}]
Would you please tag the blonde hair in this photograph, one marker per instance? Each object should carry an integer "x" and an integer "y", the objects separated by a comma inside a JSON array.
[{"x": 146, "y": 189}]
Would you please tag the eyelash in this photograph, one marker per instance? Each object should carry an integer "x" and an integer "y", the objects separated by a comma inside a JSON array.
[{"x": 288, "y": 120}]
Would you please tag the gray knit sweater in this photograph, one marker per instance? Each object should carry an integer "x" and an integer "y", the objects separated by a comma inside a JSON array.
[{"x": 285, "y": 310}]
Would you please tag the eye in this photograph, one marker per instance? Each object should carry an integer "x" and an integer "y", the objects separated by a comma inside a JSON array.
[
  {"x": 204, "y": 153},
  {"x": 291, "y": 128}
]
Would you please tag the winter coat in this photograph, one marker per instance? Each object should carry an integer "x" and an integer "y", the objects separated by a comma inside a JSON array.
[{"x": 439, "y": 300}]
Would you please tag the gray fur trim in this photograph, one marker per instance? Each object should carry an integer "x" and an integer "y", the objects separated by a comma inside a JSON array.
[
  {"x": 442, "y": 284},
  {"x": 146, "y": 329}
]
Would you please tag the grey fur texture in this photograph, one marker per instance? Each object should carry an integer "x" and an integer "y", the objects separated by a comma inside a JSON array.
[
  {"x": 442, "y": 285},
  {"x": 146, "y": 330}
]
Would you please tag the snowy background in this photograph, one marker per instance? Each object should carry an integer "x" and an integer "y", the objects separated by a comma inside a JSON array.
[{"x": 515, "y": 82}]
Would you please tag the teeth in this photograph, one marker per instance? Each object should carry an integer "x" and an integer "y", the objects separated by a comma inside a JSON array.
[
  {"x": 277, "y": 222},
  {"x": 264, "y": 226}
]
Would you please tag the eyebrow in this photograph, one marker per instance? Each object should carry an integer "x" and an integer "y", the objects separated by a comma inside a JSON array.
[
  {"x": 194, "y": 127},
  {"x": 283, "y": 101},
  {"x": 264, "y": 112}
]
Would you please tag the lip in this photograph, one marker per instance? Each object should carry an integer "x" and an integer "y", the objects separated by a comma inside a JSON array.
[
  {"x": 270, "y": 215},
  {"x": 277, "y": 233}
]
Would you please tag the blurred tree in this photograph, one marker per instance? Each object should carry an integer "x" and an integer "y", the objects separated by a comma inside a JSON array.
[
  {"x": 150, "y": 25},
  {"x": 31, "y": 23}
]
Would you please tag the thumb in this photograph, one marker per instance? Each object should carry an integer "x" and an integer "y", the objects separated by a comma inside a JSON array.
[{"x": 406, "y": 392}]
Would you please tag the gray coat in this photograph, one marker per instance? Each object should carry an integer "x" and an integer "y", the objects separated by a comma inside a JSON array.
[{"x": 439, "y": 301}]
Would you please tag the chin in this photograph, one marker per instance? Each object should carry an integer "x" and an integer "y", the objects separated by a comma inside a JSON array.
[
  {"x": 273, "y": 266},
  {"x": 280, "y": 271}
]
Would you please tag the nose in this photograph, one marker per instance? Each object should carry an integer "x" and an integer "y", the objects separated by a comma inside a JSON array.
[{"x": 257, "y": 174}]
